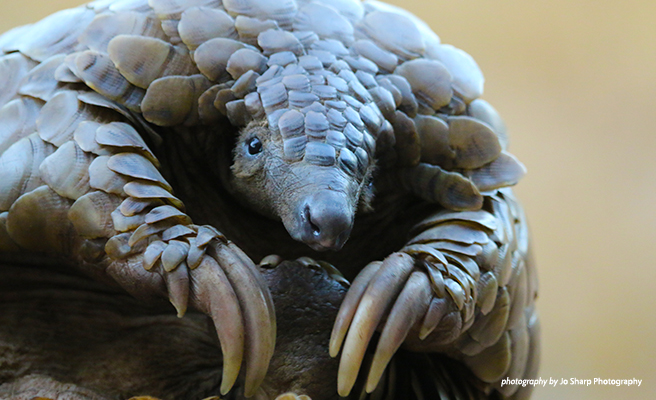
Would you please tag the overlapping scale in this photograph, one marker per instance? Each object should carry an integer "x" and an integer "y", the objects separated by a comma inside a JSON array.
[
  {"x": 474, "y": 144},
  {"x": 429, "y": 37},
  {"x": 159, "y": 110},
  {"x": 435, "y": 184},
  {"x": 394, "y": 32},
  {"x": 18, "y": 120},
  {"x": 145, "y": 190},
  {"x": 325, "y": 21},
  {"x": 200, "y": 24},
  {"x": 316, "y": 125},
  {"x": 66, "y": 171},
  {"x": 331, "y": 46},
  {"x": 276, "y": 40},
  {"x": 351, "y": 9},
  {"x": 99, "y": 73},
  {"x": 91, "y": 215},
  {"x": 38, "y": 220},
  {"x": 170, "y": 11},
  {"x": 467, "y": 77},
  {"x": 124, "y": 136},
  {"x": 60, "y": 116},
  {"x": 136, "y": 166},
  {"x": 504, "y": 171},
  {"x": 105, "y": 27},
  {"x": 348, "y": 161},
  {"x": 13, "y": 67},
  {"x": 237, "y": 113},
  {"x": 212, "y": 57},
  {"x": 483, "y": 111},
  {"x": 103, "y": 178},
  {"x": 122, "y": 223},
  {"x": 281, "y": 11},
  {"x": 19, "y": 168},
  {"x": 85, "y": 137},
  {"x": 430, "y": 81},
  {"x": 65, "y": 74},
  {"x": 40, "y": 82},
  {"x": 245, "y": 60},
  {"x": 141, "y": 60},
  {"x": 207, "y": 112},
  {"x": 384, "y": 59},
  {"x": 407, "y": 144},
  {"x": 320, "y": 154},
  {"x": 55, "y": 34},
  {"x": 294, "y": 148},
  {"x": 407, "y": 101},
  {"x": 249, "y": 28}
]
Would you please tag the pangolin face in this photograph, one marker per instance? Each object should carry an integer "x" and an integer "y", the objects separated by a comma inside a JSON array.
[
  {"x": 316, "y": 194},
  {"x": 306, "y": 154}
]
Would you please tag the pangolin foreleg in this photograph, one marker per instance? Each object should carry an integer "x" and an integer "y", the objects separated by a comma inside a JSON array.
[
  {"x": 86, "y": 188},
  {"x": 463, "y": 285}
]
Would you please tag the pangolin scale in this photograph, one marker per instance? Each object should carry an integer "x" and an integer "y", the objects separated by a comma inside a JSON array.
[{"x": 159, "y": 147}]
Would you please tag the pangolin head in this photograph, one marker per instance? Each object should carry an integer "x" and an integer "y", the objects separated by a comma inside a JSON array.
[{"x": 307, "y": 154}]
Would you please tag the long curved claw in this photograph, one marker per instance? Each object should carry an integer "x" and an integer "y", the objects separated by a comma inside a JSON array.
[
  {"x": 385, "y": 285},
  {"x": 349, "y": 306},
  {"x": 177, "y": 285},
  {"x": 263, "y": 287},
  {"x": 410, "y": 307},
  {"x": 212, "y": 293},
  {"x": 258, "y": 313}
]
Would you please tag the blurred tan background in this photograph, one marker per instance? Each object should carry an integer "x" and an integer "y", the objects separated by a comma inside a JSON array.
[{"x": 575, "y": 81}]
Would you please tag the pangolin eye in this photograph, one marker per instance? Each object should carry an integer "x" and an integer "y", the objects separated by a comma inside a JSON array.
[{"x": 254, "y": 146}]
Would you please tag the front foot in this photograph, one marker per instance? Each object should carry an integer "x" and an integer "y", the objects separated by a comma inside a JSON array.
[
  {"x": 404, "y": 297},
  {"x": 203, "y": 269},
  {"x": 228, "y": 287}
]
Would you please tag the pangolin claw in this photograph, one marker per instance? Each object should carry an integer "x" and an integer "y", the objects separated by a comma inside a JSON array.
[
  {"x": 177, "y": 284},
  {"x": 223, "y": 282},
  {"x": 213, "y": 294},
  {"x": 257, "y": 310},
  {"x": 271, "y": 261},
  {"x": 349, "y": 306},
  {"x": 326, "y": 267},
  {"x": 396, "y": 285},
  {"x": 383, "y": 288},
  {"x": 409, "y": 308}
]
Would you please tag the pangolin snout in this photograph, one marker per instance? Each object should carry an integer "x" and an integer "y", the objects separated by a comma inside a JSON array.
[{"x": 325, "y": 220}]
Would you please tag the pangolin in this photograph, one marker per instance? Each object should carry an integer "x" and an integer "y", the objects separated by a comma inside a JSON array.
[{"x": 163, "y": 145}]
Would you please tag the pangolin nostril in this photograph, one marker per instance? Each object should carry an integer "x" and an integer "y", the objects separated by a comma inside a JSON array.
[
  {"x": 316, "y": 231},
  {"x": 327, "y": 219}
]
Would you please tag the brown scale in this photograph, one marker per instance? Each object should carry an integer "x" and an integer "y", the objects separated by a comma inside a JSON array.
[{"x": 127, "y": 124}]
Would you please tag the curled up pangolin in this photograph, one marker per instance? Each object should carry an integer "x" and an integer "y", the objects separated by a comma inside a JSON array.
[{"x": 157, "y": 146}]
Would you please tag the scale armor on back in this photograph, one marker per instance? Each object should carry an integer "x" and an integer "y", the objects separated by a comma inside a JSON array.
[{"x": 87, "y": 94}]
